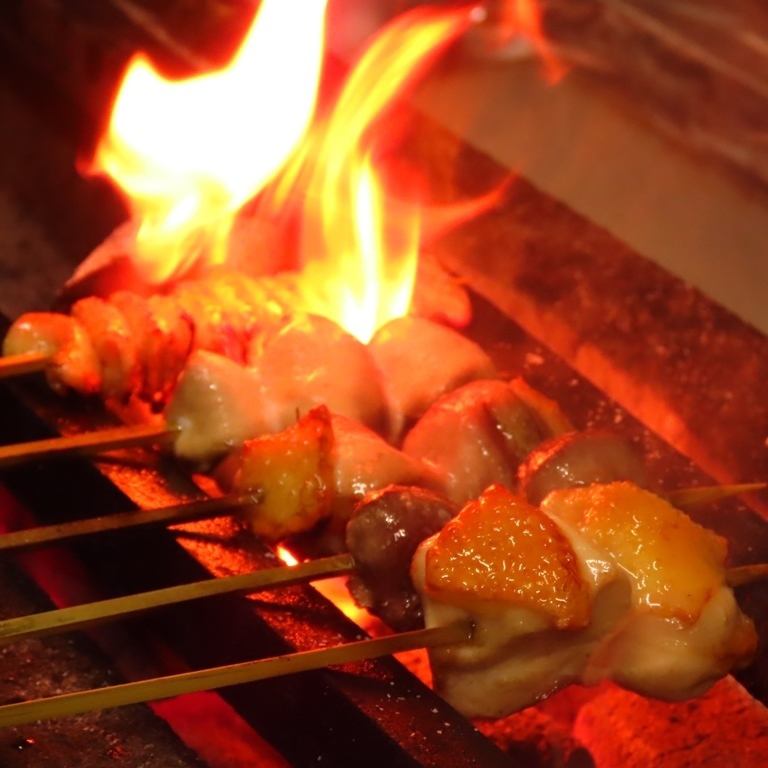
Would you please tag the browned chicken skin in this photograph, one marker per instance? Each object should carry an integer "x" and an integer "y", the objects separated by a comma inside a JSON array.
[{"x": 129, "y": 345}]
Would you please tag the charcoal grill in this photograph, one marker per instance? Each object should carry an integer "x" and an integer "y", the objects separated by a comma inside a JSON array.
[{"x": 560, "y": 277}]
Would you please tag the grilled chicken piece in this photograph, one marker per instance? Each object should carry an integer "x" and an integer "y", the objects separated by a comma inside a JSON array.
[
  {"x": 385, "y": 529},
  {"x": 114, "y": 345},
  {"x": 311, "y": 361},
  {"x": 166, "y": 337},
  {"x": 420, "y": 361},
  {"x": 602, "y": 582},
  {"x": 291, "y": 471},
  {"x": 479, "y": 433},
  {"x": 218, "y": 404},
  {"x": 540, "y": 595},
  {"x": 74, "y": 362},
  {"x": 686, "y": 630},
  {"x": 343, "y": 463},
  {"x": 577, "y": 459},
  {"x": 133, "y": 345}
]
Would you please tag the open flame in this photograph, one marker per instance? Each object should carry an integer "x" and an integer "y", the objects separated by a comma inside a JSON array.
[
  {"x": 361, "y": 246},
  {"x": 188, "y": 154}
]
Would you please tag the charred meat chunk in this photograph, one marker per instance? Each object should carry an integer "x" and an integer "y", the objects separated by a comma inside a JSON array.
[{"x": 386, "y": 528}]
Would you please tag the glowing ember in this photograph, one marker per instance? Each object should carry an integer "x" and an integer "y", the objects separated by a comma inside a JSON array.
[{"x": 189, "y": 153}]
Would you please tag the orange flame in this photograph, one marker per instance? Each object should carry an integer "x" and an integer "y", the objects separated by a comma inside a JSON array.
[
  {"x": 190, "y": 153},
  {"x": 524, "y": 17},
  {"x": 361, "y": 247}
]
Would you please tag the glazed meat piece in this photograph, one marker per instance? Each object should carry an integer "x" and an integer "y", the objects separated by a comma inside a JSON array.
[
  {"x": 605, "y": 582},
  {"x": 540, "y": 595},
  {"x": 385, "y": 529},
  {"x": 311, "y": 361},
  {"x": 579, "y": 458},
  {"x": 478, "y": 434},
  {"x": 331, "y": 463},
  {"x": 686, "y": 629},
  {"x": 421, "y": 360},
  {"x": 74, "y": 363}
]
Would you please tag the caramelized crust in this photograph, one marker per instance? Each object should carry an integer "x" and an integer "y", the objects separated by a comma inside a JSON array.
[
  {"x": 675, "y": 565},
  {"x": 501, "y": 551},
  {"x": 292, "y": 471},
  {"x": 114, "y": 344}
]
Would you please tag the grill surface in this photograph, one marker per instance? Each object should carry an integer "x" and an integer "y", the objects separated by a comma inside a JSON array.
[{"x": 530, "y": 256}]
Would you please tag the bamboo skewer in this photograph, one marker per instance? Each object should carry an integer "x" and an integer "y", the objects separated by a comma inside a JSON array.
[
  {"x": 177, "y": 513},
  {"x": 88, "y": 443},
  {"x": 16, "y": 365},
  {"x": 686, "y": 498},
  {"x": 88, "y": 614},
  {"x": 219, "y": 677},
  {"x": 746, "y": 574},
  {"x": 693, "y": 498}
]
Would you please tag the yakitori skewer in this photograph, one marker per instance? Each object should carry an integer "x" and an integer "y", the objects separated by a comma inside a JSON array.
[
  {"x": 234, "y": 674},
  {"x": 176, "y": 513},
  {"x": 88, "y": 614},
  {"x": 184, "y": 512}
]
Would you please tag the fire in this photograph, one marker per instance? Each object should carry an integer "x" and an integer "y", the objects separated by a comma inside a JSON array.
[
  {"x": 360, "y": 246},
  {"x": 524, "y": 18},
  {"x": 188, "y": 154}
]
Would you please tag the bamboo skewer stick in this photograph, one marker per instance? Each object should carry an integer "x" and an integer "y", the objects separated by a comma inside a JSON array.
[
  {"x": 88, "y": 614},
  {"x": 88, "y": 443},
  {"x": 689, "y": 498},
  {"x": 746, "y": 574},
  {"x": 234, "y": 674},
  {"x": 16, "y": 365},
  {"x": 177, "y": 513},
  {"x": 693, "y": 498}
]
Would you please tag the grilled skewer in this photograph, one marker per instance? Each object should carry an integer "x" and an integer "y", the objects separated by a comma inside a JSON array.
[{"x": 454, "y": 628}]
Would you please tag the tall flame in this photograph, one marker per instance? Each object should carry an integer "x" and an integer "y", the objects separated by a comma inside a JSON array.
[
  {"x": 190, "y": 153},
  {"x": 362, "y": 247}
]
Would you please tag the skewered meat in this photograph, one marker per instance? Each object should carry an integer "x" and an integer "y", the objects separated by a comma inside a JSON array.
[
  {"x": 74, "y": 363},
  {"x": 579, "y": 458},
  {"x": 385, "y": 529},
  {"x": 113, "y": 346},
  {"x": 541, "y": 597},
  {"x": 479, "y": 433},
  {"x": 312, "y": 361},
  {"x": 686, "y": 630},
  {"x": 420, "y": 361},
  {"x": 317, "y": 469},
  {"x": 217, "y": 404},
  {"x": 604, "y": 582}
]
